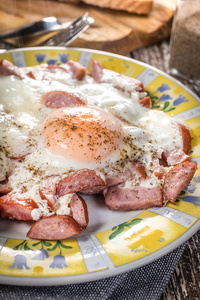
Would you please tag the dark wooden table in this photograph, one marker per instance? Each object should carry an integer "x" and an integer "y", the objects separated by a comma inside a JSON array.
[{"x": 185, "y": 281}]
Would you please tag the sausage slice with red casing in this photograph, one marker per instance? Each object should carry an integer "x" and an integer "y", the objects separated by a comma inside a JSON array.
[
  {"x": 48, "y": 189},
  {"x": 177, "y": 179},
  {"x": 5, "y": 188},
  {"x": 134, "y": 198},
  {"x": 16, "y": 207},
  {"x": 133, "y": 84},
  {"x": 79, "y": 181},
  {"x": 54, "y": 228},
  {"x": 79, "y": 210},
  {"x": 57, "y": 99},
  {"x": 7, "y": 69},
  {"x": 77, "y": 69}
]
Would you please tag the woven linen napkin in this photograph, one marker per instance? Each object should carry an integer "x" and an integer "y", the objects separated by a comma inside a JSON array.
[{"x": 145, "y": 283}]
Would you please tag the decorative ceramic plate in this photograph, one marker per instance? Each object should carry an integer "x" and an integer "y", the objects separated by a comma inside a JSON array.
[{"x": 114, "y": 242}]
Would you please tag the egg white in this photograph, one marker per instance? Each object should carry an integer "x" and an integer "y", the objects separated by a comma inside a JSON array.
[{"x": 145, "y": 131}]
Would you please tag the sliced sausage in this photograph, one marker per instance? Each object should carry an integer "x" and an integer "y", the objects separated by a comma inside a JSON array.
[
  {"x": 57, "y": 99},
  {"x": 146, "y": 101},
  {"x": 79, "y": 210},
  {"x": 175, "y": 157},
  {"x": 4, "y": 187},
  {"x": 79, "y": 181},
  {"x": 16, "y": 207},
  {"x": 177, "y": 179},
  {"x": 131, "y": 85},
  {"x": 7, "y": 69},
  {"x": 135, "y": 198},
  {"x": 157, "y": 168},
  {"x": 54, "y": 228},
  {"x": 54, "y": 68},
  {"x": 77, "y": 69},
  {"x": 97, "y": 71},
  {"x": 186, "y": 137},
  {"x": 47, "y": 189},
  {"x": 133, "y": 170}
]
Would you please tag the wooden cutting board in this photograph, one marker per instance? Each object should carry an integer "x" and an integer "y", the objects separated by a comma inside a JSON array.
[{"x": 113, "y": 31}]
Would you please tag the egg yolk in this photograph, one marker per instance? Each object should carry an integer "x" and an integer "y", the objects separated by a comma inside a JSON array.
[{"x": 83, "y": 133}]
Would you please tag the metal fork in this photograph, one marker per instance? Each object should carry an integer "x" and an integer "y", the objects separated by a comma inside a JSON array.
[{"x": 65, "y": 36}]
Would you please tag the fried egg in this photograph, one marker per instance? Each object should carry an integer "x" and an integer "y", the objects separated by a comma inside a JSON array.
[{"x": 111, "y": 129}]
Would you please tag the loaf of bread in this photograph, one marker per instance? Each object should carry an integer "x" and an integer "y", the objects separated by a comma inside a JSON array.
[{"x": 132, "y": 6}]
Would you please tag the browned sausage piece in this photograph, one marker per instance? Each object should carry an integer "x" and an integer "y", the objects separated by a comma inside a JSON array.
[
  {"x": 16, "y": 207},
  {"x": 79, "y": 210},
  {"x": 57, "y": 99},
  {"x": 133, "y": 170},
  {"x": 186, "y": 137},
  {"x": 97, "y": 71},
  {"x": 175, "y": 157},
  {"x": 47, "y": 189},
  {"x": 146, "y": 101},
  {"x": 4, "y": 188},
  {"x": 177, "y": 179},
  {"x": 79, "y": 181},
  {"x": 77, "y": 69},
  {"x": 136, "y": 198},
  {"x": 54, "y": 228},
  {"x": 7, "y": 68}
]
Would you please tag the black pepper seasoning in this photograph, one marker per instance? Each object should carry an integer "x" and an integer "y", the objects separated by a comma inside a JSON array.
[{"x": 185, "y": 40}]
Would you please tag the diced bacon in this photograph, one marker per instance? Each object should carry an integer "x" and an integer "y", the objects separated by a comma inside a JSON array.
[
  {"x": 134, "y": 198},
  {"x": 4, "y": 187},
  {"x": 175, "y": 157},
  {"x": 47, "y": 189},
  {"x": 7, "y": 69},
  {"x": 79, "y": 181},
  {"x": 54, "y": 228},
  {"x": 79, "y": 210},
  {"x": 177, "y": 179},
  {"x": 13, "y": 206},
  {"x": 77, "y": 69},
  {"x": 57, "y": 99},
  {"x": 186, "y": 137}
]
